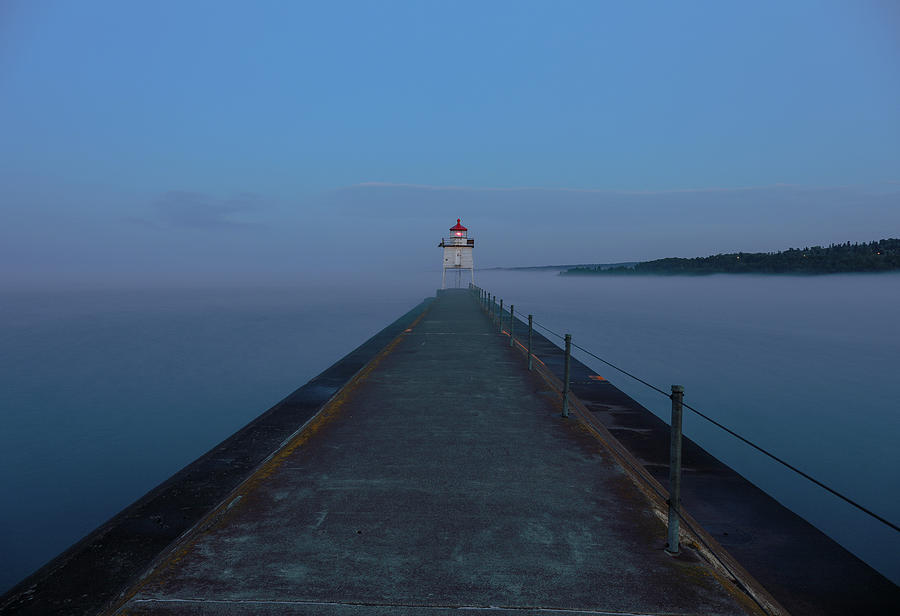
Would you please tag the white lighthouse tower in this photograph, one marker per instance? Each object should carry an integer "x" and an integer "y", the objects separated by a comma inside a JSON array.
[{"x": 457, "y": 253}]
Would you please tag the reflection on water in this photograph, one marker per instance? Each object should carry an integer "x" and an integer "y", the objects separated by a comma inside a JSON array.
[{"x": 107, "y": 393}]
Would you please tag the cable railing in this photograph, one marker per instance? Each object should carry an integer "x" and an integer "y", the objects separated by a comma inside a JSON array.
[{"x": 496, "y": 311}]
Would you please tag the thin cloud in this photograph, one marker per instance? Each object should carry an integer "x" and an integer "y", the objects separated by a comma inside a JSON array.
[
  {"x": 600, "y": 191},
  {"x": 192, "y": 210}
]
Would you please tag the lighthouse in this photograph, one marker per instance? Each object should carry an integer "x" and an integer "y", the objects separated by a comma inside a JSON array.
[{"x": 457, "y": 253}]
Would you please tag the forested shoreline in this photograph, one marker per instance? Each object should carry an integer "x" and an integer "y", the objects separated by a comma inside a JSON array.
[{"x": 876, "y": 256}]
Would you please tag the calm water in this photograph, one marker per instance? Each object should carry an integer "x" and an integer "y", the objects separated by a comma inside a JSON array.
[{"x": 107, "y": 393}]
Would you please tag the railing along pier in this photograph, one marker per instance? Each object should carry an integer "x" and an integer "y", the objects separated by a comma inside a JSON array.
[{"x": 673, "y": 495}]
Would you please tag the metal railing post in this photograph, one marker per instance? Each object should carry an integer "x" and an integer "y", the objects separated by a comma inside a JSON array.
[
  {"x": 500, "y": 318},
  {"x": 512, "y": 324},
  {"x": 565, "y": 392},
  {"x": 672, "y": 545},
  {"x": 530, "y": 335}
]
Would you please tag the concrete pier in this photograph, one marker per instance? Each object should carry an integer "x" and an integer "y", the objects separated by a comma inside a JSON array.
[
  {"x": 429, "y": 472},
  {"x": 442, "y": 478}
]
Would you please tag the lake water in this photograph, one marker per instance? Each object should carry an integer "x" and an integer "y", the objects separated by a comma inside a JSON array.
[{"x": 105, "y": 393}]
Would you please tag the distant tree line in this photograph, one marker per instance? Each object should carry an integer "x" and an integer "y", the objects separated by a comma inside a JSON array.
[{"x": 879, "y": 256}]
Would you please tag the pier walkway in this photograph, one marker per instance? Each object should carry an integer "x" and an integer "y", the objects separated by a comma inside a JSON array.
[{"x": 440, "y": 478}]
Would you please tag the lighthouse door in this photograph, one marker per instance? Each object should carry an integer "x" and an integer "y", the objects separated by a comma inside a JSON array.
[{"x": 458, "y": 258}]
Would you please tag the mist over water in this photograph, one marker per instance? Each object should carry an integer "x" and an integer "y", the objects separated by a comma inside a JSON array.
[{"x": 108, "y": 392}]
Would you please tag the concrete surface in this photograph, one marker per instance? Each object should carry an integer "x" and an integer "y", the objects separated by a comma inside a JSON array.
[{"x": 442, "y": 480}]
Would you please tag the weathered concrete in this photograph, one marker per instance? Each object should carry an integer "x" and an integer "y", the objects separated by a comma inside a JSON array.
[
  {"x": 91, "y": 573},
  {"x": 441, "y": 479}
]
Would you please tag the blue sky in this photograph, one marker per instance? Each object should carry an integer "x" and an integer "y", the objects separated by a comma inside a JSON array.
[{"x": 206, "y": 138}]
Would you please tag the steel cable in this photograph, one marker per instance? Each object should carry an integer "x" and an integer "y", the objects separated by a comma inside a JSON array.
[
  {"x": 792, "y": 467},
  {"x": 544, "y": 327},
  {"x": 765, "y": 452},
  {"x": 638, "y": 379}
]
